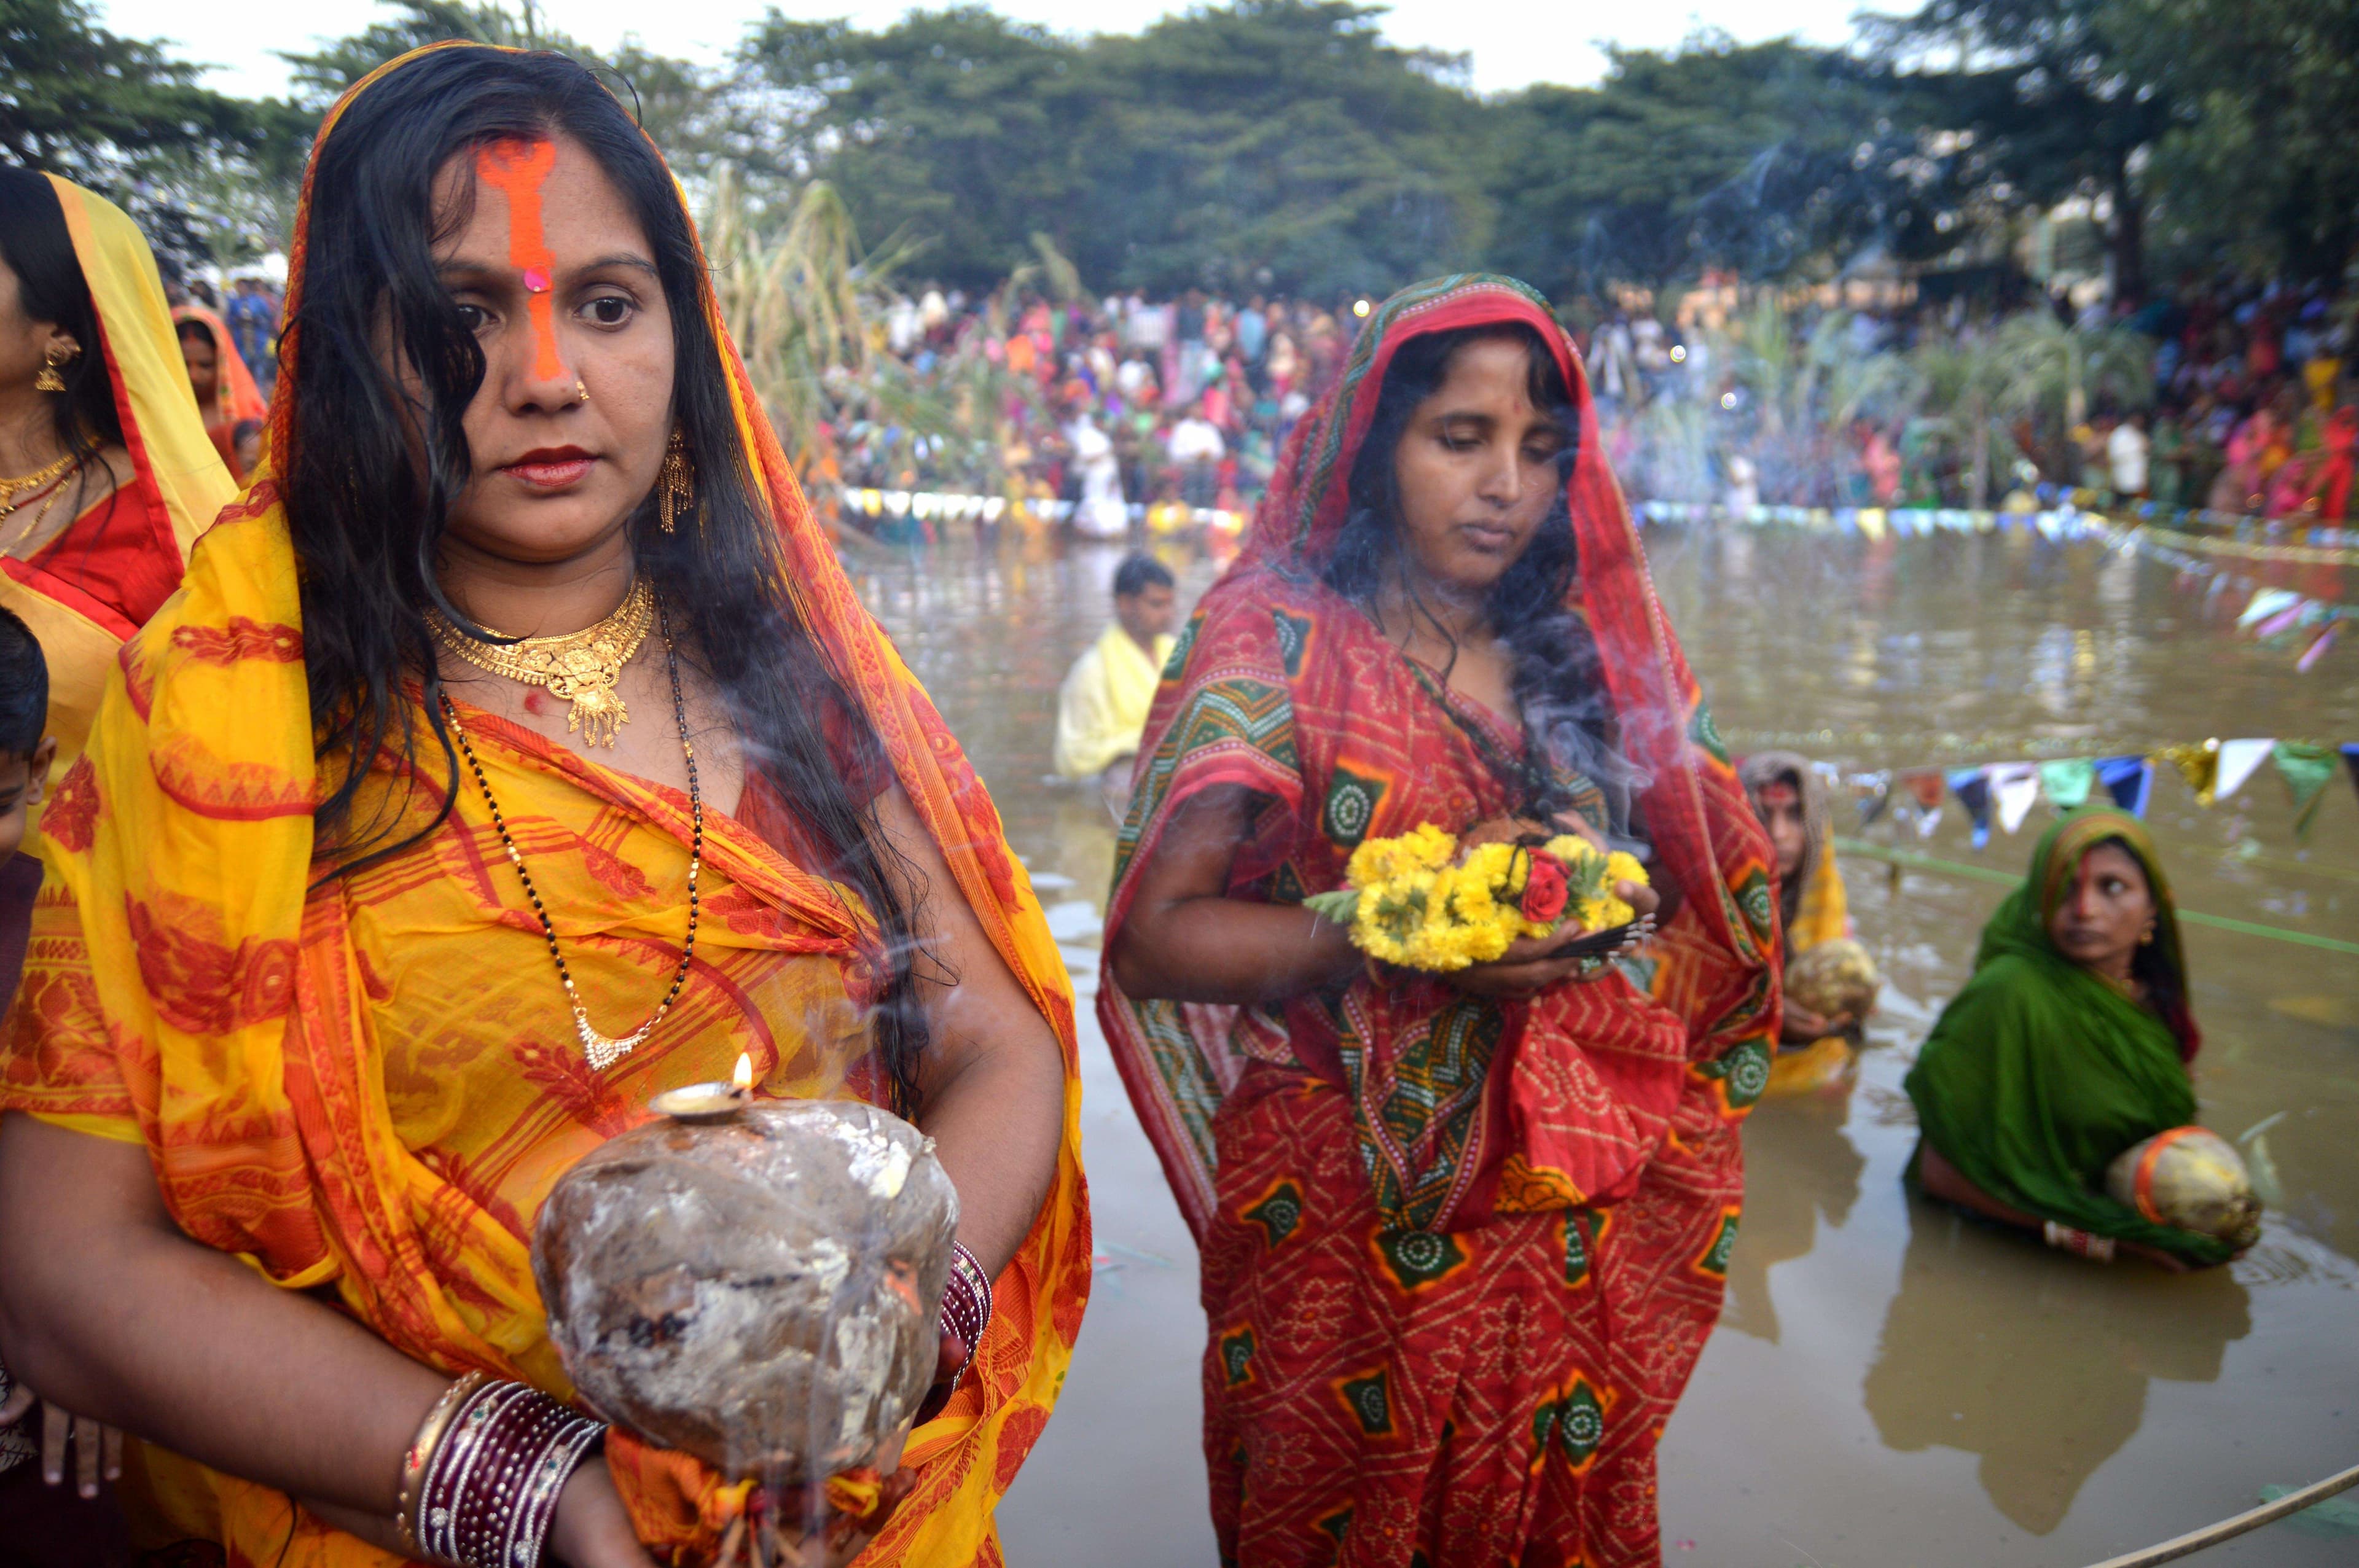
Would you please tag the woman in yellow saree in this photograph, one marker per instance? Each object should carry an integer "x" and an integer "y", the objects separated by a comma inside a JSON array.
[
  {"x": 106, "y": 476},
  {"x": 340, "y": 915},
  {"x": 1791, "y": 801}
]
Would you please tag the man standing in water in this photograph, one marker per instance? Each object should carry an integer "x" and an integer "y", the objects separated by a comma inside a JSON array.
[{"x": 1102, "y": 710}]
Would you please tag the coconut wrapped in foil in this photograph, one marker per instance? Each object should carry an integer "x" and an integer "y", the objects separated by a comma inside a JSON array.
[
  {"x": 1836, "y": 976},
  {"x": 2193, "y": 1178},
  {"x": 761, "y": 1292}
]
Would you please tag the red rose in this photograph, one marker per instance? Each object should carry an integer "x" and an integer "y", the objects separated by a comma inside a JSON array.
[{"x": 1545, "y": 889}]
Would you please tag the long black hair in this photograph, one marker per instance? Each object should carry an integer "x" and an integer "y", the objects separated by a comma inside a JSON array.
[
  {"x": 367, "y": 512},
  {"x": 1558, "y": 680},
  {"x": 38, "y": 247}
]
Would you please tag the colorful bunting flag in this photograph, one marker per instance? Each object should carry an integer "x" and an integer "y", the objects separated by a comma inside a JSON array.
[
  {"x": 2129, "y": 780},
  {"x": 1972, "y": 787},
  {"x": 2239, "y": 760},
  {"x": 2067, "y": 785},
  {"x": 2014, "y": 786},
  {"x": 2266, "y": 603},
  {"x": 2305, "y": 770}
]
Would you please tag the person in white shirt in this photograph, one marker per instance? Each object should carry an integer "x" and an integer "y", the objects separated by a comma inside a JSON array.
[
  {"x": 1101, "y": 511},
  {"x": 1196, "y": 449},
  {"x": 2125, "y": 453}
]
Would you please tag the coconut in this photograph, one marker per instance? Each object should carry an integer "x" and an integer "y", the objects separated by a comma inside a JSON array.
[
  {"x": 2191, "y": 1178},
  {"x": 761, "y": 1292},
  {"x": 1834, "y": 977}
]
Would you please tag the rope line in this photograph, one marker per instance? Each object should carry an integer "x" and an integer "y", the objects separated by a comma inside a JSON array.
[
  {"x": 1916, "y": 862},
  {"x": 2229, "y": 1528}
]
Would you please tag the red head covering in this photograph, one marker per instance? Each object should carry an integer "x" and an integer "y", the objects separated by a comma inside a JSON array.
[{"x": 1705, "y": 838}]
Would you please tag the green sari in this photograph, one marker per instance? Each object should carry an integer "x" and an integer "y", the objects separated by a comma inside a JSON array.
[{"x": 2040, "y": 1072}]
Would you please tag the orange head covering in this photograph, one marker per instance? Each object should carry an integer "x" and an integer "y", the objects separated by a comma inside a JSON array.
[
  {"x": 245, "y": 1037},
  {"x": 236, "y": 398}
]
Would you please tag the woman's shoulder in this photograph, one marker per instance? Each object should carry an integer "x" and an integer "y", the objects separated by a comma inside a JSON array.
[
  {"x": 2006, "y": 987},
  {"x": 1271, "y": 616}
]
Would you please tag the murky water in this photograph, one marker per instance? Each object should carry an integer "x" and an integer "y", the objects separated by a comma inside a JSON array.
[{"x": 1889, "y": 1386}]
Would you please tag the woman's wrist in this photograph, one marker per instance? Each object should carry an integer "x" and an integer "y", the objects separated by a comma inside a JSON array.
[
  {"x": 2080, "y": 1243},
  {"x": 481, "y": 1480}
]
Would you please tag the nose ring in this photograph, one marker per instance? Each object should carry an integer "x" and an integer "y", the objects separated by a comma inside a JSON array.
[{"x": 580, "y": 390}]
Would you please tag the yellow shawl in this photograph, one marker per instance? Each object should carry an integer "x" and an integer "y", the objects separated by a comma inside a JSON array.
[
  {"x": 1102, "y": 711},
  {"x": 177, "y": 941},
  {"x": 80, "y": 604}
]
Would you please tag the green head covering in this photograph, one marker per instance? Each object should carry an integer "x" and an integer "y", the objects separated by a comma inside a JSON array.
[{"x": 2039, "y": 1071}]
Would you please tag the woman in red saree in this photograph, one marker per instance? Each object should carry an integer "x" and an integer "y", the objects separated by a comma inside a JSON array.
[{"x": 1462, "y": 1237}]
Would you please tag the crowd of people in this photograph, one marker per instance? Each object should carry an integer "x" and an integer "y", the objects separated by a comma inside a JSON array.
[
  {"x": 2239, "y": 399},
  {"x": 2232, "y": 396},
  {"x": 527, "y": 698},
  {"x": 1117, "y": 405}
]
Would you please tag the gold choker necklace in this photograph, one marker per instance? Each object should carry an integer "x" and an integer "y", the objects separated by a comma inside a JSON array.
[
  {"x": 581, "y": 668},
  {"x": 10, "y": 489}
]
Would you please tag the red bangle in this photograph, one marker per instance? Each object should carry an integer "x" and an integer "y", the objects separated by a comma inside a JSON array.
[
  {"x": 489, "y": 1493},
  {"x": 966, "y": 1301}
]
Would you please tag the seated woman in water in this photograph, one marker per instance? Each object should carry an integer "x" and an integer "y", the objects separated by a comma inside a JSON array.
[
  {"x": 2069, "y": 1044},
  {"x": 349, "y": 886},
  {"x": 1464, "y": 1235},
  {"x": 1790, "y": 798}
]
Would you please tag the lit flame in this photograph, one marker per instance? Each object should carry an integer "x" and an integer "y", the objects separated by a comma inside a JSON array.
[{"x": 743, "y": 1078}]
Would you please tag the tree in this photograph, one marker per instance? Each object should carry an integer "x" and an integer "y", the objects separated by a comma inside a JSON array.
[
  {"x": 957, "y": 126},
  {"x": 84, "y": 102},
  {"x": 1280, "y": 141},
  {"x": 120, "y": 117},
  {"x": 1266, "y": 142},
  {"x": 1764, "y": 158},
  {"x": 2055, "y": 106},
  {"x": 2261, "y": 161}
]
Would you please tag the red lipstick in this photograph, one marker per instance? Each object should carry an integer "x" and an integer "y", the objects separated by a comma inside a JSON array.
[{"x": 551, "y": 468}]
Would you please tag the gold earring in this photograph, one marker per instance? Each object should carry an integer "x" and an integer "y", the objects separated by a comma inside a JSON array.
[
  {"x": 2146, "y": 938},
  {"x": 676, "y": 482},
  {"x": 49, "y": 380}
]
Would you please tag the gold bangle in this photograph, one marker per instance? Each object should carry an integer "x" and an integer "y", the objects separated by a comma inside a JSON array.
[{"x": 421, "y": 1453}]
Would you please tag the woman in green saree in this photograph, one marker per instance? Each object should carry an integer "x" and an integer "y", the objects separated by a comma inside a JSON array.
[{"x": 2069, "y": 1044}]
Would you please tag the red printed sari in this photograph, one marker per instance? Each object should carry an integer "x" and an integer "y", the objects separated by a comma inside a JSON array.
[{"x": 1459, "y": 1255}]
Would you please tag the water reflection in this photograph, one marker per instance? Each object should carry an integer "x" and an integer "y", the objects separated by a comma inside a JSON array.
[
  {"x": 1954, "y": 1366},
  {"x": 1813, "y": 1173}
]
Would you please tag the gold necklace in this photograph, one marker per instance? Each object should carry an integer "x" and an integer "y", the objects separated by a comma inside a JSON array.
[
  {"x": 578, "y": 668},
  {"x": 10, "y": 489},
  {"x": 603, "y": 1051}
]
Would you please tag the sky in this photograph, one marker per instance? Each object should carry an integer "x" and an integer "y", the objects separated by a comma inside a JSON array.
[{"x": 1513, "y": 42}]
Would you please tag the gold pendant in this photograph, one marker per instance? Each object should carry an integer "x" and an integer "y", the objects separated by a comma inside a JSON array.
[
  {"x": 583, "y": 669},
  {"x": 588, "y": 682}
]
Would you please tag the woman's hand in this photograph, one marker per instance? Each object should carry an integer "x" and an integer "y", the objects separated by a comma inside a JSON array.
[
  {"x": 591, "y": 1529},
  {"x": 1534, "y": 963},
  {"x": 98, "y": 1448},
  {"x": 1800, "y": 1026}
]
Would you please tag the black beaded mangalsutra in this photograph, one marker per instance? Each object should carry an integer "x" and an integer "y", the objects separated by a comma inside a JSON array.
[{"x": 604, "y": 1050}]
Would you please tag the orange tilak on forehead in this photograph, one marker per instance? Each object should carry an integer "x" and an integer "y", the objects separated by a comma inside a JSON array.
[{"x": 518, "y": 170}]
